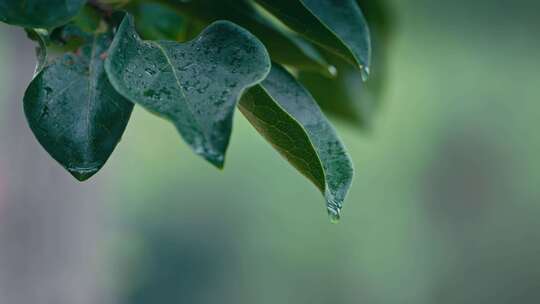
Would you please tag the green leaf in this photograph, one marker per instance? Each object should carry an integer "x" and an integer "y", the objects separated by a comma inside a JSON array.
[
  {"x": 288, "y": 117},
  {"x": 284, "y": 46},
  {"x": 195, "y": 85},
  {"x": 336, "y": 25},
  {"x": 39, "y": 13},
  {"x": 346, "y": 96},
  {"x": 380, "y": 16},
  {"x": 73, "y": 110}
]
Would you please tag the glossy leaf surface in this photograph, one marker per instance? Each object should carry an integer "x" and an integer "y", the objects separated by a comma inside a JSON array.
[
  {"x": 195, "y": 85},
  {"x": 74, "y": 111},
  {"x": 39, "y": 13},
  {"x": 337, "y": 25},
  {"x": 288, "y": 117},
  {"x": 283, "y": 45},
  {"x": 346, "y": 96}
]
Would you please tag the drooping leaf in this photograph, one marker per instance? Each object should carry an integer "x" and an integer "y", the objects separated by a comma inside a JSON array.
[
  {"x": 379, "y": 15},
  {"x": 337, "y": 25},
  {"x": 346, "y": 96},
  {"x": 195, "y": 85},
  {"x": 39, "y": 13},
  {"x": 283, "y": 45},
  {"x": 73, "y": 110},
  {"x": 288, "y": 117}
]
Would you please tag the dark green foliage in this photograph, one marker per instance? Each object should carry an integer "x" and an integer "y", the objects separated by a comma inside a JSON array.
[
  {"x": 191, "y": 62},
  {"x": 74, "y": 111},
  {"x": 39, "y": 13},
  {"x": 287, "y": 116},
  {"x": 283, "y": 45},
  {"x": 195, "y": 85},
  {"x": 336, "y": 25},
  {"x": 347, "y": 96}
]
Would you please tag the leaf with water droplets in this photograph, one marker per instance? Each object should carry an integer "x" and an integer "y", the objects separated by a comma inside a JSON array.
[
  {"x": 346, "y": 97},
  {"x": 284, "y": 46},
  {"x": 337, "y": 25},
  {"x": 39, "y": 13},
  {"x": 287, "y": 116},
  {"x": 195, "y": 85},
  {"x": 73, "y": 110}
]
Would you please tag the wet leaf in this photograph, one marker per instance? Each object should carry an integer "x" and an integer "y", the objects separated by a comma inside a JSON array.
[
  {"x": 288, "y": 117},
  {"x": 283, "y": 45},
  {"x": 73, "y": 110},
  {"x": 195, "y": 85},
  {"x": 336, "y": 25},
  {"x": 39, "y": 13},
  {"x": 346, "y": 96}
]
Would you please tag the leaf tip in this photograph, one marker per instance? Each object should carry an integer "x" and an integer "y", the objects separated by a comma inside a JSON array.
[
  {"x": 334, "y": 215},
  {"x": 217, "y": 160},
  {"x": 333, "y": 206},
  {"x": 83, "y": 174}
]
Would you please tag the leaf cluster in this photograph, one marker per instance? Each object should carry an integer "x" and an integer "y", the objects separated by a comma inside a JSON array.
[{"x": 193, "y": 62}]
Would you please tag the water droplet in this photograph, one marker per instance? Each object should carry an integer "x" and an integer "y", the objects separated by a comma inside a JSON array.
[
  {"x": 333, "y": 207},
  {"x": 149, "y": 71},
  {"x": 332, "y": 71},
  {"x": 334, "y": 215},
  {"x": 364, "y": 70}
]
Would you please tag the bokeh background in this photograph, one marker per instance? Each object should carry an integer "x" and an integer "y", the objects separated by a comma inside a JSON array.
[{"x": 445, "y": 206}]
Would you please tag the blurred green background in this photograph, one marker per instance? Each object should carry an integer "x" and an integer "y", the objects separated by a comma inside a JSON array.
[{"x": 444, "y": 207}]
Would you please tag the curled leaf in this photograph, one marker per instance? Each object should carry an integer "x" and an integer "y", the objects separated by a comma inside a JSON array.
[{"x": 195, "y": 85}]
